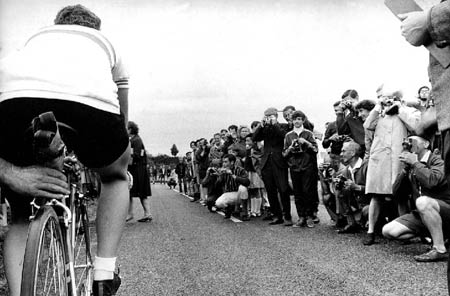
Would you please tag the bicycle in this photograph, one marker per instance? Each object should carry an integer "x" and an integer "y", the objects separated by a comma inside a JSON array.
[{"x": 58, "y": 259}]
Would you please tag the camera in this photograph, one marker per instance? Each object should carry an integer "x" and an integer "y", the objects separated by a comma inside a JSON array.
[
  {"x": 340, "y": 183},
  {"x": 407, "y": 145},
  {"x": 296, "y": 146}
]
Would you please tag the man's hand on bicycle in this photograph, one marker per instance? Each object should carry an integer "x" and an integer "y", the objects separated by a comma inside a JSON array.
[{"x": 37, "y": 181}]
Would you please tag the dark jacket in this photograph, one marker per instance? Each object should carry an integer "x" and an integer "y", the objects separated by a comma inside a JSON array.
[
  {"x": 335, "y": 146},
  {"x": 180, "y": 169},
  {"x": 352, "y": 126},
  {"x": 230, "y": 184},
  {"x": 306, "y": 160},
  {"x": 273, "y": 137},
  {"x": 429, "y": 178}
]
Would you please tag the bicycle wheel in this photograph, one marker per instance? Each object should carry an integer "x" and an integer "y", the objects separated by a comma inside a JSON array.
[
  {"x": 44, "y": 266},
  {"x": 82, "y": 253}
]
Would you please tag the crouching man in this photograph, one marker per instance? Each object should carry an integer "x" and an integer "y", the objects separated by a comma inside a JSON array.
[
  {"x": 432, "y": 199},
  {"x": 234, "y": 181},
  {"x": 350, "y": 187}
]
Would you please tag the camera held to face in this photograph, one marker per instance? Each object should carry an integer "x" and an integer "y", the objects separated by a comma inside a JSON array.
[
  {"x": 407, "y": 145},
  {"x": 347, "y": 104}
]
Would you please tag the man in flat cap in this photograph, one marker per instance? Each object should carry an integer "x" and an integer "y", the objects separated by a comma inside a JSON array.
[{"x": 274, "y": 168}]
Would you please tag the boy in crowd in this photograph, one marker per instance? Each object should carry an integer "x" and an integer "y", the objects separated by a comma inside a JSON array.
[{"x": 300, "y": 150}]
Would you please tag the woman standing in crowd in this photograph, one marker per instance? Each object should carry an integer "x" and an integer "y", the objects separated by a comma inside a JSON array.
[
  {"x": 390, "y": 120},
  {"x": 138, "y": 169}
]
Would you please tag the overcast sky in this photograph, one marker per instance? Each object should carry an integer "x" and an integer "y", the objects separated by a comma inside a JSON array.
[{"x": 198, "y": 66}]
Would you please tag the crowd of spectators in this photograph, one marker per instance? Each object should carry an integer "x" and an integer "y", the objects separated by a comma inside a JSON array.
[{"x": 377, "y": 175}]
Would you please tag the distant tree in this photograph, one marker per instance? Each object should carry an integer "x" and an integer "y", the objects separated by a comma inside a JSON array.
[{"x": 174, "y": 150}]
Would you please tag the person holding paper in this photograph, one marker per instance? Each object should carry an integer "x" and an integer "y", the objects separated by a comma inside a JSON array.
[{"x": 433, "y": 25}]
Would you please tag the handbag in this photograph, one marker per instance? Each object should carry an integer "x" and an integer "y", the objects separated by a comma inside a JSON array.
[{"x": 428, "y": 121}]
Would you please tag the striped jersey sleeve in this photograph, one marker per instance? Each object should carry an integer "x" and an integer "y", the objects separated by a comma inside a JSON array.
[{"x": 120, "y": 73}]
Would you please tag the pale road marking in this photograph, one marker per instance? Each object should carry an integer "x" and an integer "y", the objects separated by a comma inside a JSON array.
[{"x": 235, "y": 220}]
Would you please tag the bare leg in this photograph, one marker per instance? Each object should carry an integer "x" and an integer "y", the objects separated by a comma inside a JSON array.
[
  {"x": 112, "y": 206},
  {"x": 429, "y": 212},
  {"x": 130, "y": 209},
  {"x": 145, "y": 202},
  {"x": 374, "y": 213},
  {"x": 13, "y": 252},
  {"x": 396, "y": 230}
]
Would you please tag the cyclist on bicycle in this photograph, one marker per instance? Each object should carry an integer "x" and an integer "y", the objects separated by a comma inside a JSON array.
[{"x": 73, "y": 70}]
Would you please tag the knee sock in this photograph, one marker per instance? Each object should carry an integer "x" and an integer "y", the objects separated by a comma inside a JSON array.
[
  {"x": 104, "y": 268},
  {"x": 257, "y": 202}
]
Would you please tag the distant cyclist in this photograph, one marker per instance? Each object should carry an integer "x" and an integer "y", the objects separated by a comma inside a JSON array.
[{"x": 72, "y": 69}]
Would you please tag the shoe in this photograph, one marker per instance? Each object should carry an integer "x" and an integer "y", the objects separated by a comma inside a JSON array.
[
  {"x": 310, "y": 222},
  {"x": 245, "y": 218},
  {"x": 236, "y": 214},
  {"x": 195, "y": 199},
  {"x": 268, "y": 217},
  {"x": 106, "y": 287},
  {"x": 129, "y": 218},
  {"x": 253, "y": 215},
  {"x": 369, "y": 240},
  {"x": 288, "y": 222},
  {"x": 341, "y": 222},
  {"x": 316, "y": 219},
  {"x": 349, "y": 229},
  {"x": 432, "y": 256},
  {"x": 276, "y": 221},
  {"x": 300, "y": 223},
  {"x": 145, "y": 219}
]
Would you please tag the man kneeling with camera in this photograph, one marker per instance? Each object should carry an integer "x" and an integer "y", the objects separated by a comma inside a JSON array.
[
  {"x": 350, "y": 186},
  {"x": 234, "y": 181},
  {"x": 432, "y": 200}
]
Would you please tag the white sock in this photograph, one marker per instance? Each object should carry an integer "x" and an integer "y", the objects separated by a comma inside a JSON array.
[{"x": 104, "y": 268}]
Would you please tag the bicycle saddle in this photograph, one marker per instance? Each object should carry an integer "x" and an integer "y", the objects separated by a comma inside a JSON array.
[{"x": 48, "y": 143}]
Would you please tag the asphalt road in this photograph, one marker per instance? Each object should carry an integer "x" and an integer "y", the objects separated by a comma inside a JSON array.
[{"x": 186, "y": 250}]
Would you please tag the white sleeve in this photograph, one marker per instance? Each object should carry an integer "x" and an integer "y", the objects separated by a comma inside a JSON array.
[{"x": 120, "y": 73}]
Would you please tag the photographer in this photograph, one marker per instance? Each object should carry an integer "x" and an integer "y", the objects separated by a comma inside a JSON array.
[
  {"x": 432, "y": 199},
  {"x": 390, "y": 120},
  {"x": 331, "y": 138},
  {"x": 300, "y": 150},
  {"x": 330, "y": 168},
  {"x": 350, "y": 186},
  {"x": 274, "y": 168},
  {"x": 209, "y": 182},
  {"x": 234, "y": 181},
  {"x": 347, "y": 120}
]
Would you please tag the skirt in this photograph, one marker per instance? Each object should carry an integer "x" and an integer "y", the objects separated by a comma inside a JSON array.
[{"x": 255, "y": 181}]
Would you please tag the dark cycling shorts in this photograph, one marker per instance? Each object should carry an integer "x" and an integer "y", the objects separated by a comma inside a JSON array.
[{"x": 102, "y": 136}]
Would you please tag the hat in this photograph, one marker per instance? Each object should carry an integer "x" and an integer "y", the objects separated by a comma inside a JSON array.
[{"x": 271, "y": 111}]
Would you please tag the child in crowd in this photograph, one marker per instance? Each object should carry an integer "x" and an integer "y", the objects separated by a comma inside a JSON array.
[
  {"x": 252, "y": 166},
  {"x": 300, "y": 150}
]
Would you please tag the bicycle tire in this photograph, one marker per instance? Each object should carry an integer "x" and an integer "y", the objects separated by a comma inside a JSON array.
[
  {"x": 83, "y": 265},
  {"x": 45, "y": 251}
]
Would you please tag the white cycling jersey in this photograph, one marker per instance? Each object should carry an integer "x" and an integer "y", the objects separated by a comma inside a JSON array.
[{"x": 67, "y": 62}]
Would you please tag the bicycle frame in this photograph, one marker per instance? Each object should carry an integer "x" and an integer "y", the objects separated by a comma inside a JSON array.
[{"x": 67, "y": 224}]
